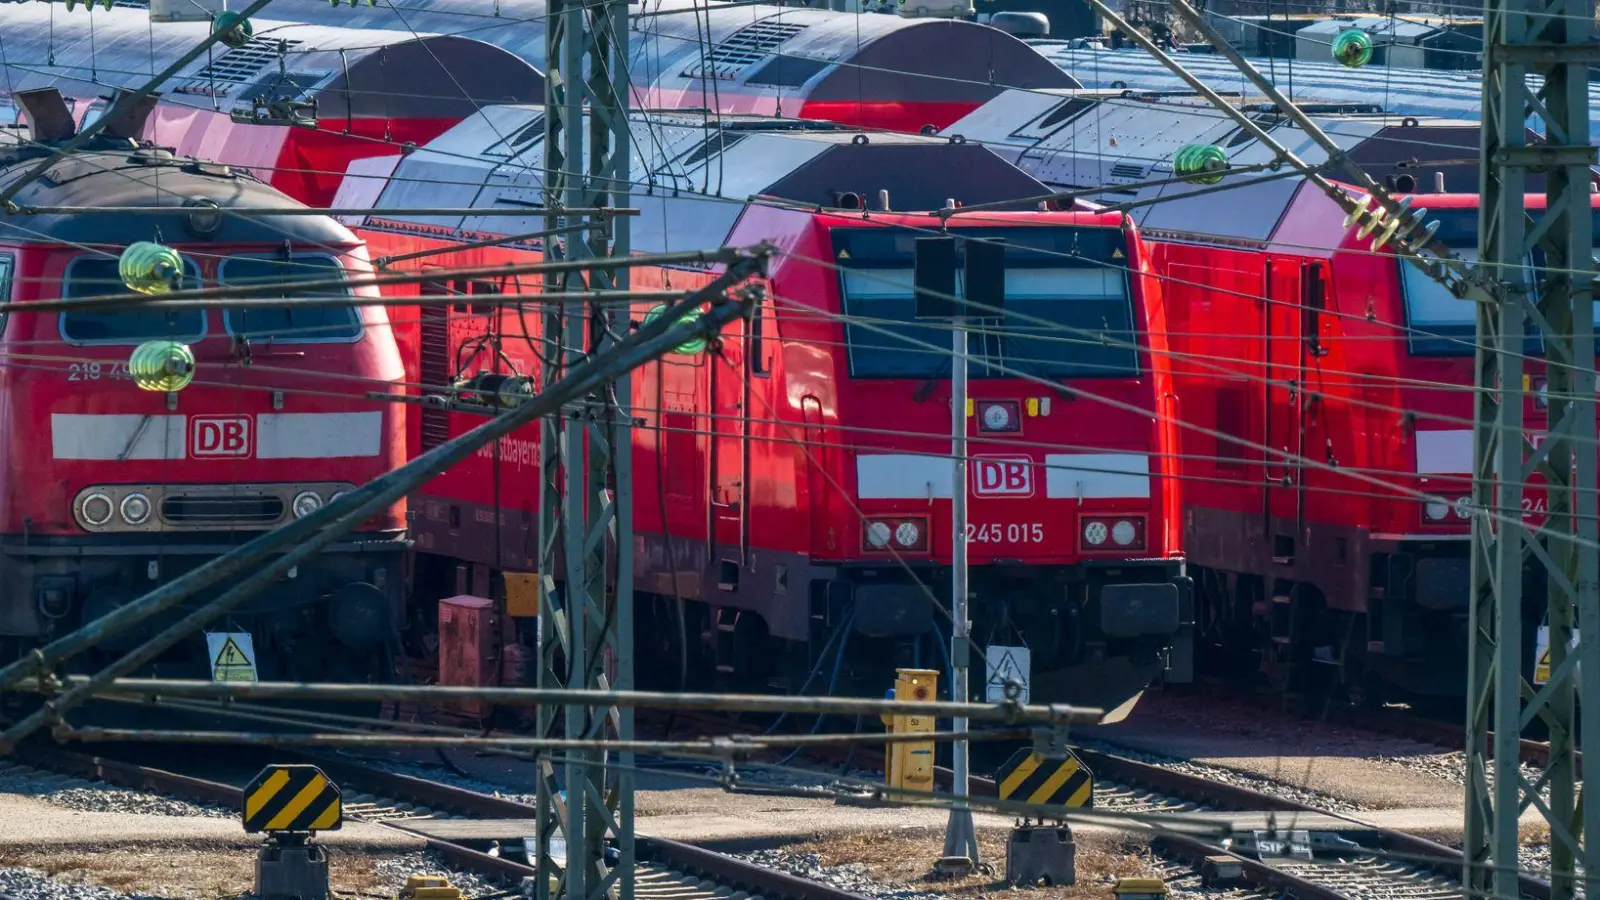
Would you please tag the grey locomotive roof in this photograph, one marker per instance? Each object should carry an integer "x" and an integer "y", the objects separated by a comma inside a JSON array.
[
  {"x": 1088, "y": 139},
  {"x": 1400, "y": 91},
  {"x": 120, "y": 174},
  {"x": 372, "y": 72},
  {"x": 691, "y": 178},
  {"x": 776, "y": 51}
]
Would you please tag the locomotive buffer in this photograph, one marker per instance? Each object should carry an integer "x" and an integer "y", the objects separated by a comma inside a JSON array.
[{"x": 290, "y": 804}]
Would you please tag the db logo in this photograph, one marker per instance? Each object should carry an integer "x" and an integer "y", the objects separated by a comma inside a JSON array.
[
  {"x": 215, "y": 436},
  {"x": 1010, "y": 477}
]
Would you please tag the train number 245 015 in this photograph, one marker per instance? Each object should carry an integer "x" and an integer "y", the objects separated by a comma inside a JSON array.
[{"x": 1013, "y": 533}]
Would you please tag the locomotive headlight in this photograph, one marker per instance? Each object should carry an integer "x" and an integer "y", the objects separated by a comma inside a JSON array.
[
  {"x": 135, "y": 508},
  {"x": 999, "y": 415},
  {"x": 336, "y": 496},
  {"x": 878, "y": 534},
  {"x": 306, "y": 503},
  {"x": 1095, "y": 533},
  {"x": 1123, "y": 532},
  {"x": 96, "y": 509},
  {"x": 1463, "y": 508},
  {"x": 1436, "y": 510},
  {"x": 907, "y": 534}
]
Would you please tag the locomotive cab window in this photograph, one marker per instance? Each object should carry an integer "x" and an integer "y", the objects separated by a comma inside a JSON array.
[
  {"x": 289, "y": 324},
  {"x": 97, "y": 276},
  {"x": 1068, "y": 308}
]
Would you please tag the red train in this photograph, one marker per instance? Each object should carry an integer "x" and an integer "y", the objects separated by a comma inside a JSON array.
[
  {"x": 871, "y": 71},
  {"x": 1338, "y": 378},
  {"x": 114, "y": 490},
  {"x": 385, "y": 77},
  {"x": 797, "y": 481},
  {"x": 295, "y": 105}
]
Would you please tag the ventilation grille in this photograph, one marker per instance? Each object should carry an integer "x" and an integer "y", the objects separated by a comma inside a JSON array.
[
  {"x": 240, "y": 65},
  {"x": 435, "y": 360},
  {"x": 718, "y": 142},
  {"x": 1127, "y": 170},
  {"x": 238, "y": 509},
  {"x": 743, "y": 49}
]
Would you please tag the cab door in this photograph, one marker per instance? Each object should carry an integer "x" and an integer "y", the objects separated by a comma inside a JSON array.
[
  {"x": 1284, "y": 334},
  {"x": 730, "y": 425}
]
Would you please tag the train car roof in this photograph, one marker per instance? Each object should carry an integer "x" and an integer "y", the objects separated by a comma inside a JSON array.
[
  {"x": 770, "y": 51},
  {"x": 115, "y": 174},
  {"x": 1081, "y": 139},
  {"x": 375, "y": 72},
  {"x": 692, "y": 176},
  {"x": 1445, "y": 94}
]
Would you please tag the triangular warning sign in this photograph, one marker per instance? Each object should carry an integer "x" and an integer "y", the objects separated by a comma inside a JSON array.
[
  {"x": 1007, "y": 670},
  {"x": 231, "y": 655},
  {"x": 1116, "y": 254},
  {"x": 844, "y": 254}
]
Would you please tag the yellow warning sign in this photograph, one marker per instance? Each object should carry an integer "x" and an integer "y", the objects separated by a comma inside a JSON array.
[
  {"x": 1117, "y": 253},
  {"x": 232, "y": 656},
  {"x": 844, "y": 254},
  {"x": 1541, "y": 649}
]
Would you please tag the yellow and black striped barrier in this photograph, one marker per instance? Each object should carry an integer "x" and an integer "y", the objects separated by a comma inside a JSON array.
[
  {"x": 292, "y": 799},
  {"x": 1028, "y": 777}
]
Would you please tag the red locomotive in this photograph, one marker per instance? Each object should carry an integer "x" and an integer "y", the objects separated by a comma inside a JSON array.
[
  {"x": 1338, "y": 378},
  {"x": 794, "y": 483},
  {"x": 116, "y": 490},
  {"x": 294, "y": 104},
  {"x": 388, "y": 77}
]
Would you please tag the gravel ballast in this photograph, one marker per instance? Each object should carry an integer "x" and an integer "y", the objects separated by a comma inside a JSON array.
[{"x": 96, "y": 796}]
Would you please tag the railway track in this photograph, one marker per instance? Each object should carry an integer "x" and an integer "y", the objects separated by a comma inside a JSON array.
[
  {"x": 667, "y": 869},
  {"x": 1393, "y": 866}
]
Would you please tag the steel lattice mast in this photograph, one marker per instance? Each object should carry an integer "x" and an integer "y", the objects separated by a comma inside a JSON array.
[
  {"x": 585, "y": 497},
  {"x": 1555, "y": 303}
]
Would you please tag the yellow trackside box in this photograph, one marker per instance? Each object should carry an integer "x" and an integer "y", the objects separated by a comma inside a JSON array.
[{"x": 910, "y": 764}]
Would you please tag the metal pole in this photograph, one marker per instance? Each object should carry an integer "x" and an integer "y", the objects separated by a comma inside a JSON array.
[
  {"x": 1552, "y": 38},
  {"x": 960, "y": 839},
  {"x": 585, "y": 508}
]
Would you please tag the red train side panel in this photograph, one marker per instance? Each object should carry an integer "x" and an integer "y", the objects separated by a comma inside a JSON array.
[{"x": 768, "y": 473}]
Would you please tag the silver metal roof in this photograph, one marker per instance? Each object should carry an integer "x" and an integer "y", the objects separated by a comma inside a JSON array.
[
  {"x": 1400, "y": 91},
  {"x": 1121, "y": 140},
  {"x": 373, "y": 72},
  {"x": 691, "y": 177}
]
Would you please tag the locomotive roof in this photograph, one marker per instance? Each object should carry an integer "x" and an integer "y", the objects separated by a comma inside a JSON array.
[
  {"x": 109, "y": 176},
  {"x": 772, "y": 51},
  {"x": 376, "y": 72},
  {"x": 1090, "y": 138},
  {"x": 691, "y": 176},
  {"x": 1446, "y": 94}
]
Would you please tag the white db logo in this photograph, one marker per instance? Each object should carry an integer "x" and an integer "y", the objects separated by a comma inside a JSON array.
[
  {"x": 218, "y": 436},
  {"x": 1012, "y": 477}
]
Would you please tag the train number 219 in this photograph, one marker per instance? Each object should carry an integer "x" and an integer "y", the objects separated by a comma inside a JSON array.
[{"x": 1014, "y": 533}]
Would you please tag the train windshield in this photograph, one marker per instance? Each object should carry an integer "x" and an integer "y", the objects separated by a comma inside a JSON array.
[
  {"x": 96, "y": 276},
  {"x": 290, "y": 324},
  {"x": 1068, "y": 309},
  {"x": 1438, "y": 324}
]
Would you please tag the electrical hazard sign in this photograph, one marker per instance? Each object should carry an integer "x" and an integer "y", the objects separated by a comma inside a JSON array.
[
  {"x": 1541, "y": 668},
  {"x": 1007, "y": 664},
  {"x": 233, "y": 656}
]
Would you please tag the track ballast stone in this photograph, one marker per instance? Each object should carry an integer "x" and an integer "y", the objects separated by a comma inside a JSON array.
[
  {"x": 849, "y": 877},
  {"x": 95, "y": 796}
]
